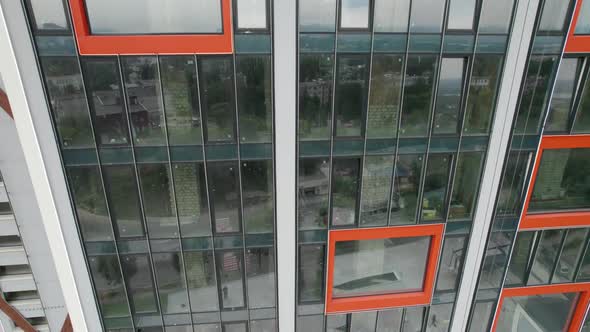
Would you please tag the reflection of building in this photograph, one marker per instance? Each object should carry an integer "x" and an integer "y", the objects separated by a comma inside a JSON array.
[{"x": 319, "y": 89}]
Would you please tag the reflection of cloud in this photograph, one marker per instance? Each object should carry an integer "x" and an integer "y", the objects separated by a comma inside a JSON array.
[
  {"x": 317, "y": 15},
  {"x": 49, "y": 13},
  {"x": 154, "y": 16},
  {"x": 355, "y": 14},
  {"x": 252, "y": 14}
]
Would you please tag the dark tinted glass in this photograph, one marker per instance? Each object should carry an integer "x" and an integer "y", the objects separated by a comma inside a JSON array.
[
  {"x": 466, "y": 185},
  {"x": 106, "y": 100},
  {"x": 317, "y": 16},
  {"x": 154, "y": 17},
  {"x": 573, "y": 248},
  {"x": 448, "y": 100},
  {"x": 427, "y": 16},
  {"x": 483, "y": 88},
  {"x": 384, "y": 99},
  {"x": 311, "y": 273},
  {"x": 257, "y": 184},
  {"x": 417, "y": 94},
  {"x": 351, "y": 94},
  {"x": 354, "y": 14},
  {"x": 510, "y": 196},
  {"x": 137, "y": 271},
  {"x": 224, "y": 196},
  {"x": 461, "y": 14},
  {"x": 67, "y": 100},
  {"x": 231, "y": 281},
  {"x": 191, "y": 199},
  {"x": 435, "y": 187},
  {"x": 391, "y": 15},
  {"x": 200, "y": 274},
  {"x": 377, "y": 176},
  {"x": 315, "y": 95},
  {"x": 121, "y": 188},
  {"x": 181, "y": 100},
  {"x": 171, "y": 282},
  {"x": 521, "y": 257},
  {"x": 345, "y": 188},
  {"x": 562, "y": 182},
  {"x": 495, "y": 16},
  {"x": 584, "y": 272},
  {"x": 108, "y": 285},
  {"x": 144, "y": 100},
  {"x": 582, "y": 123},
  {"x": 314, "y": 180},
  {"x": 451, "y": 264},
  {"x": 217, "y": 97},
  {"x": 404, "y": 199},
  {"x": 89, "y": 200},
  {"x": 563, "y": 94},
  {"x": 253, "y": 77},
  {"x": 158, "y": 200},
  {"x": 260, "y": 272},
  {"x": 545, "y": 257}
]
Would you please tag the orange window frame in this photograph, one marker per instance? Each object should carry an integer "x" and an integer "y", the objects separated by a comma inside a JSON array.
[
  {"x": 577, "y": 43},
  {"x": 554, "y": 219},
  {"x": 382, "y": 301},
  {"x": 577, "y": 318},
  {"x": 90, "y": 44}
]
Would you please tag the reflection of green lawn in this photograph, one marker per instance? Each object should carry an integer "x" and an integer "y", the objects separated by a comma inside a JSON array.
[{"x": 260, "y": 219}]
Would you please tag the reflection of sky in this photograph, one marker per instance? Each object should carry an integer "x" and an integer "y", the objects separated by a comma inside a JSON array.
[
  {"x": 154, "y": 16},
  {"x": 317, "y": 15},
  {"x": 461, "y": 14},
  {"x": 252, "y": 14},
  {"x": 495, "y": 16},
  {"x": 355, "y": 13},
  {"x": 392, "y": 16},
  {"x": 49, "y": 12},
  {"x": 427, "y": 15},
  {"x": 583, "y": 25}
]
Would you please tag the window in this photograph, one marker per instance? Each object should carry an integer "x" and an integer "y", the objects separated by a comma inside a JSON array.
[
  {"x": 224, "y": 196},
  {"x": 392, "y": 15},
  {"x": 466, "y": 185},
  {"x": 351, "y": 94},
  {"x": 121, "y": 189},
  {"x": 314, "y": 179},
  {"x": 316, "y": 79},
  {"x": 317, "y": 15},
  {"x": 483, "y": 87},
  {"x": 554, "y": 15},
  {"x": 138, "y": 277},
  {"x": 427, "y": 16},
  {"x": 404, "y": 199},
  {"x": 158, "y": 200},
  {"x": 172, "y": 290},
  {"x": 49, "y": 15},
  {"x": 200, "y": 274},
  {"x": 108, "y": 284},
  {"x": 377, "y": 176},
  {"x": 434, "y": 197},
  {"x": 191, "y": 199},
  {"x": 253, "y": 78},
  {"x": 260, "y": 273},
  {"x": 251, "y": 14},
  {"x": 354, "y": 14},
  {"x": 449, "y": 96},
  {"x": 583, "y": 20},
  {"x": 231, "y": 281},
  {"x": 386, "y": 277},
  {"x": 461, "y": 14},
  {"x": 311, "y": 273},
  {"x": 257, "y": 189},
  {"x": 345, "y": 187},
  {"x": 418, "y": 89},
  {"x": 496, "y": 16},
  {"x": 563, "y": 96}
]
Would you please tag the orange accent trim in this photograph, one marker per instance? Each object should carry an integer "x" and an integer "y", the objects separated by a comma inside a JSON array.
[
  {"x": 554, "y": 219},
  {"x": 89, "y": 44},
  {"x": 577, "y": 318},
  {"x": 373, "y": 302},
  {"x": 4, "y": 103},
  {"x": 67, "y": 327},
  {"x": 577, "y": 43},
  {"x": 18, "y": 319}
]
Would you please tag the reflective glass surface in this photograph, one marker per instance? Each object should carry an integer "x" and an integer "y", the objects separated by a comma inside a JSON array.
[
  {"x": 385, "y": 95},
  {"x": 191, "y": 199},
  {"x": 554, "y": 15},
  {"x": 354, "y": 14},
  {"x": 434, "y": 199},
  {"x": 370, "y": 267},
  {"x": 351, "y": 94},
  {"x": 315, "y": 95},
  {"x": 314, "y": 177},
  {"x": 311, "y": 273},
  {"x": 154, "y": 16},
  {"x": 224, "y": 196},
  {"x": 200, "y": 274},
  {"x": 172, "y": 290},
  {"x": 466, "y": 185},
  {"x": 563, "y": 94},
  {"x": 520, "y": 259},
  {"x": 483, "y": 89},
  {"x": 251, "y": 14},
  {"x": 231, "y": 280},
  {"x": 461, "y": 14},
  {"x": 448, "y": 100},
  {"x": 121, "y": 189},
  {"x": 158, "y": 200},
  {"x": 49, "y": 14},
  {"x": 545, "y": 257},
  {"x": 418, "y": 90},
  {"x": 549, "y": 312},
  {"x": 140, "y": 286},
  {"x": 496, "y": 16},
  {"x": 253, "y": 78},
  {"x": 573, "y": 248},
  {"x": 583, "y": 23},
  {"x": 427, "y": 16},
  {"x": 108, "y": 283},
  {"x": 217, "y": 98},
  {"x": 377, "y": 179},
  {"x": 404, "y": 199},
  {"x": 260, "y": 273},
  {"x": 345, "y": 186},
  {"x": 317, "y": 15},
  {"x": 391, "y": 15}
]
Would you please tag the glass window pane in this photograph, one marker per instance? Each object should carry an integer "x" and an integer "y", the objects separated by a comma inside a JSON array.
[
  {"x": 391, "y": 15},
  {"x": 363, "y": 321},
  {"x": 573, "y": 248},
  {"x": 317, "y": 15},
  {"x": 495, "y": 260},
  {"x": 224, "y": 196},
  {"x": 310, "y": 323},
  {"x": 413, "y": 320},
  {"x": 191, "y": 199},
  {"x": 217, "y": 97},
  {"x": 138, "y": 278},
  {"x": 482, "y": 312},
  {"x": 257, "y": 191},
  {"x": 586, "y": 327},
  {"x": 106, "y": 100},
  {"x": 545, "y": 257},
  {"x": 461, "y": 14},
  {"x": 448, "y": 100},
  {"x": 554, "y": 14},
  {"x": 266, "y": 325},
  {"x": 384, "y": 99},
  {"x": 377, "y": 176},
  {"x": 178, "y": 329},
  {"x": 434, "y": 199},
  {"x": 451, "y": 264},
  {"x": 234, "y": 327},
  {"x": 171, "y": 282},
  {"x": 583, "y": 23},
  {"x": 254, "y": 97},
  {"x": 181, "y": 100},
  {"x": 316, "y": 79},
  {"x": 49, "y": 15},
  {"x": 427, "y": 16},
  {"x": 314, "y": 177},
  {"x": 495, "y": 16},
  {"x": 229, "y": 267},
  {"x": 144, "y": 100},
  {"x": 354, "y": 14},
  {"x": 202, "y": 286},
  {"x": 418, "y": 88},
  {"x": 563, "y": 94},
  {"x": 530, "y": 313},
  {"x": 582, "y": 123},
  {"x": 584, "y": 273},
  {"x": 370, "y": 267},
  {"x": 483, "y": 87},
  {"x": 154, "y": 16},
  {"x": 439, "y": 317},
  {"x": 121, "y": 188},
  {"x": 311, "y": 273},
  {"x": 351, "y": 94},
  {"x": 67, "y": 100},
  {"x": 251, "y": 14},
  {"x": 207, "y": 328},
  {"x": 345, "y": 188},
  {"x": 408, "y": 171},
  {"x": 336, "y": 323},
  {"x": 520, "y": 260},
  {"x": 510, "y": 196},
  {"x": 158, "y": 200},
  {"x": 466, "y": 186},
  {"x": 108, "y": 285},
  {"x": 260, "y": 271},
  {"x": 562, "y": 181},
  {"x": 389, "y": 320}
]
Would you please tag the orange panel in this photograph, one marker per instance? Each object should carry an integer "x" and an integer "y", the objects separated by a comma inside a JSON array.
[
  {"x": 150, "y": 44},
  {"x": 577, "y": 43},
  {"x": 374, "y": 302}
]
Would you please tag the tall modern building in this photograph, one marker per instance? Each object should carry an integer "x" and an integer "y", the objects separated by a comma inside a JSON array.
[{"x": 295, "y": 165}]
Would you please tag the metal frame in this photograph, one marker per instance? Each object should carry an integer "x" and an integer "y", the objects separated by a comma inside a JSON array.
[{"x": 577, "y": 43}]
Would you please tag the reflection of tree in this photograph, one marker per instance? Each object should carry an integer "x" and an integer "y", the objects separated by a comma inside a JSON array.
[
  {"x": 108, "y": 267},
  {"x": 417, "y": 95},
  {"x": 253, "y": 75},
  {"x": 217, "y": 93},
  {"x": 536, "y": 90},
  {"x": 482, "y": 92},
  {"x": 315, "y": 95}
]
